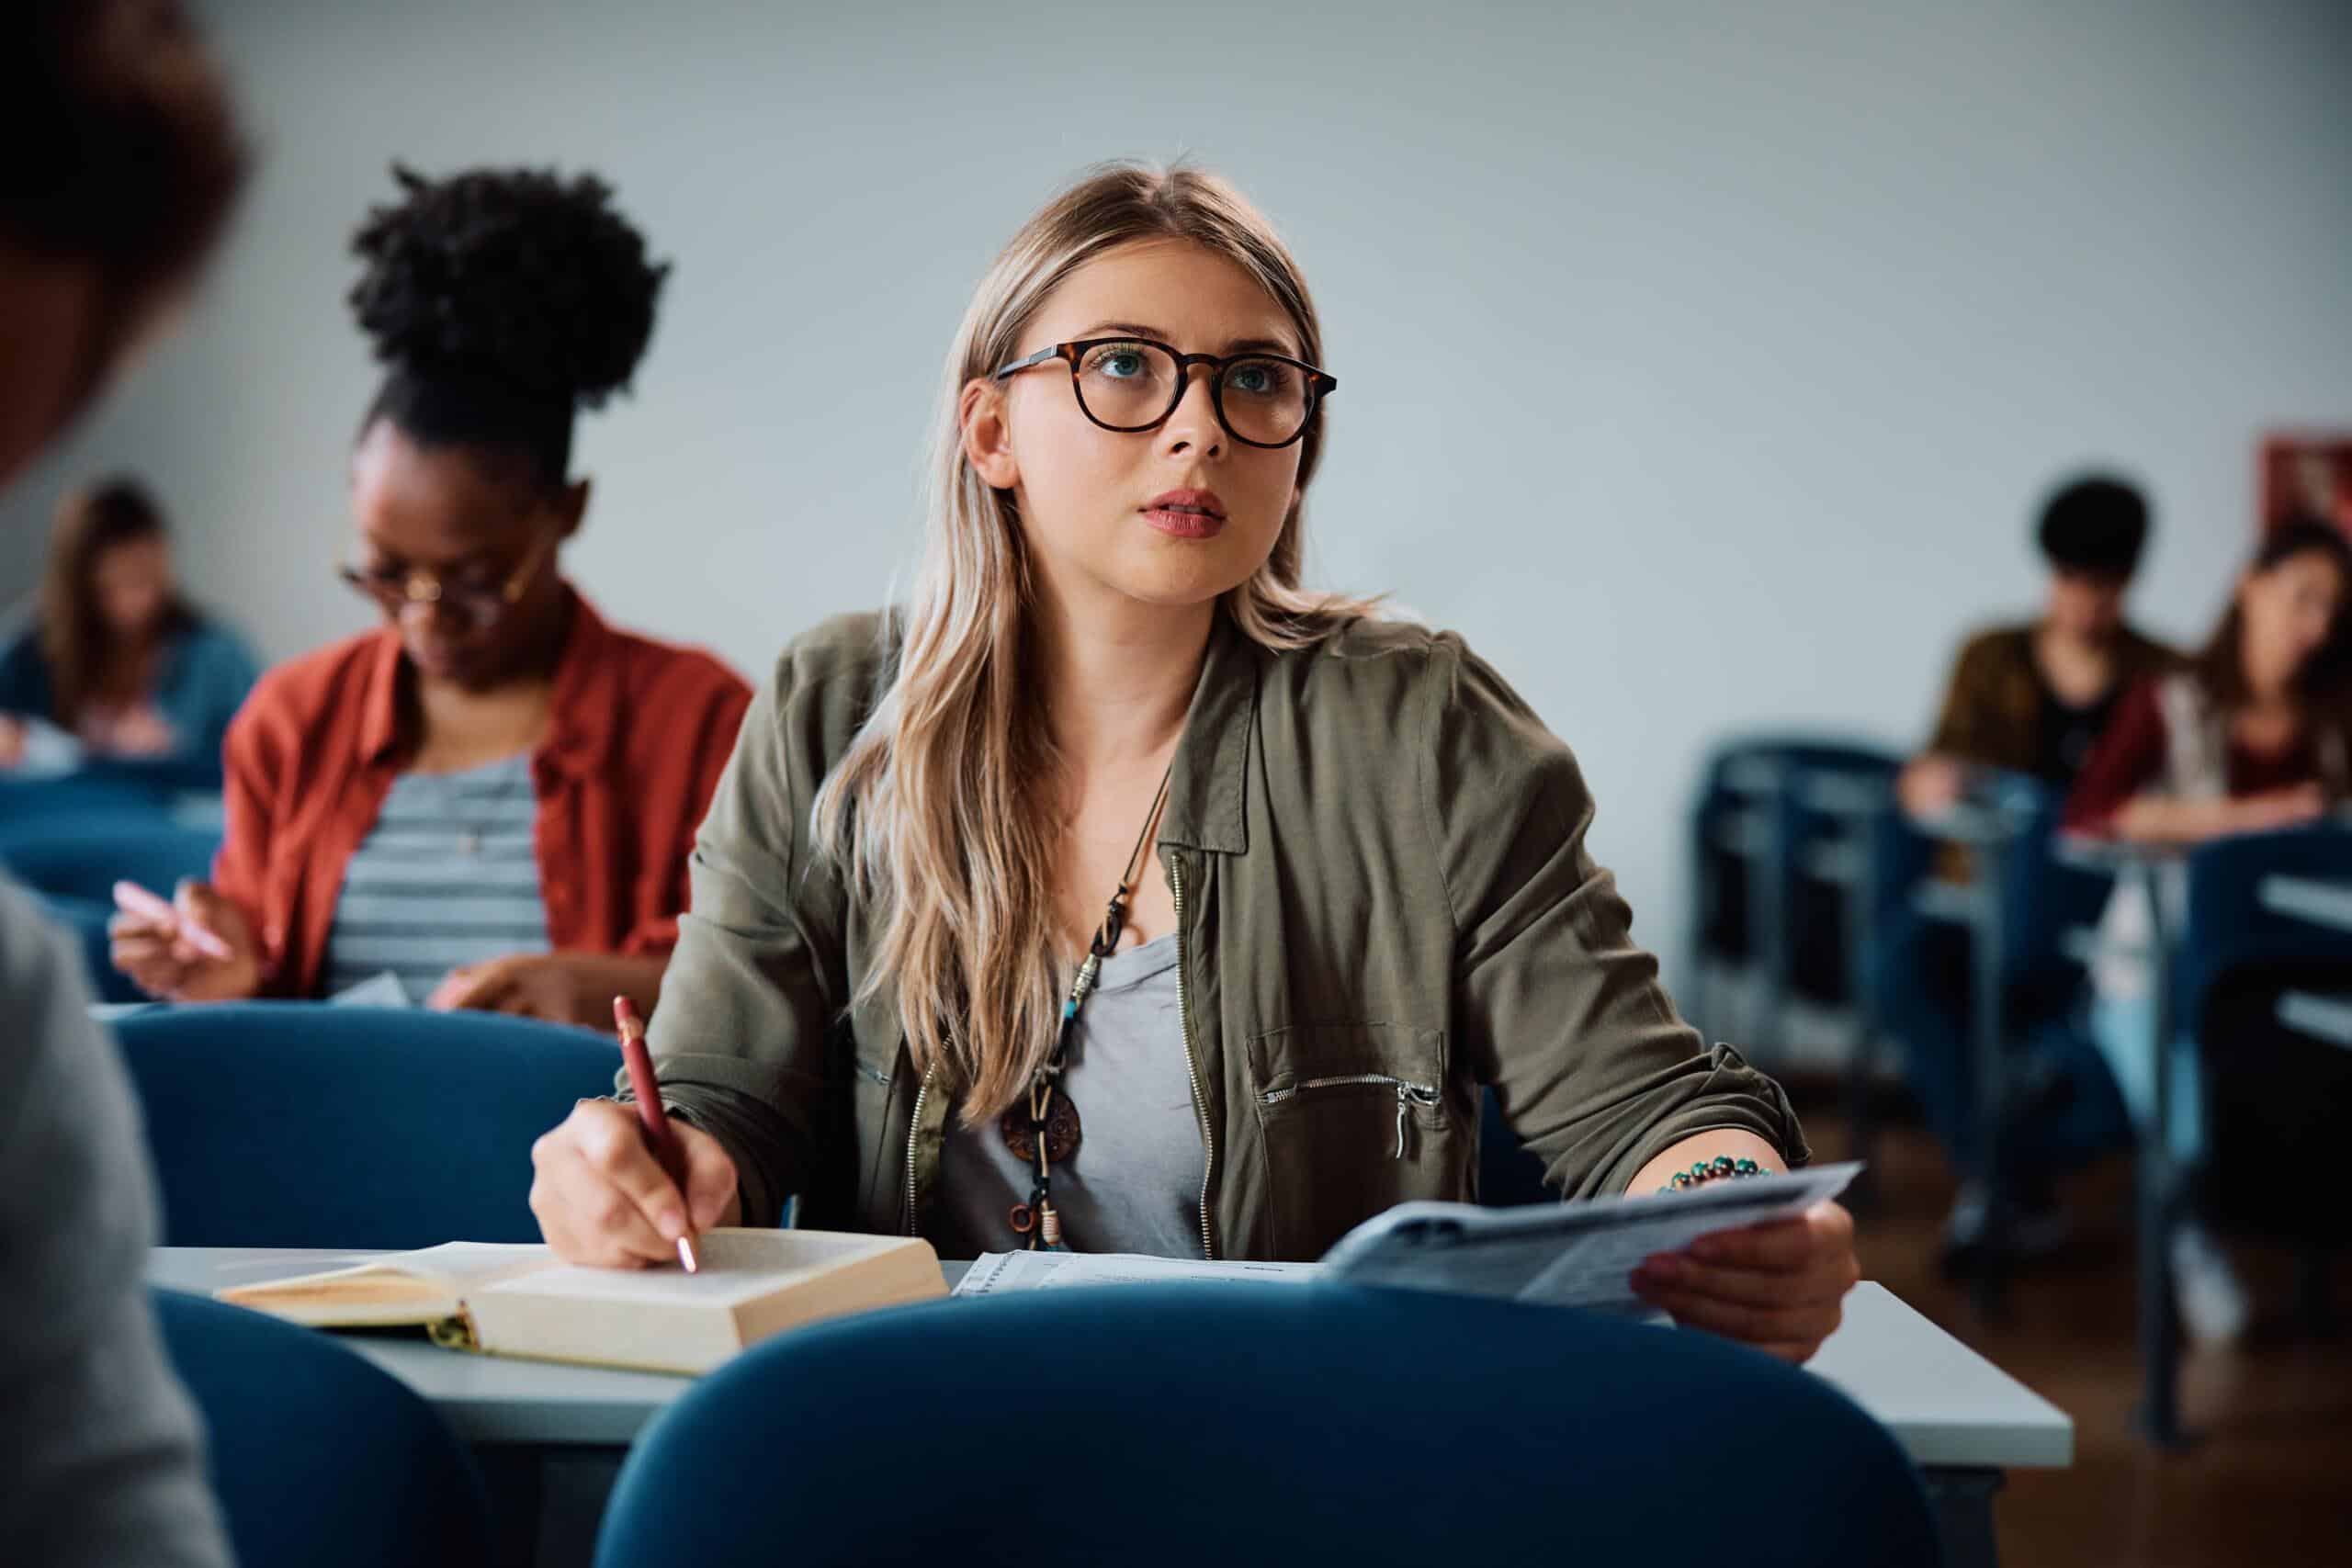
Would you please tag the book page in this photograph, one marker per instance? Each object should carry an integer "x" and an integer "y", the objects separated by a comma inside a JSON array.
[
  {"x": 738, "y": 1266},
  {"x": 1000, "y": 1273},
  {"x": 400, "y": 1288}
]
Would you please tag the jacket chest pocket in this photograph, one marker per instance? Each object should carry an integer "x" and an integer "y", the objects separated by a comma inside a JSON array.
[{"x": 1357, "y": 1117}]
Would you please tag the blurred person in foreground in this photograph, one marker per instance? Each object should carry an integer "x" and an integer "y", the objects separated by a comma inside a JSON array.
[
  {"x": 114, "y": 656},
  {"x": 114, "y": 184}
]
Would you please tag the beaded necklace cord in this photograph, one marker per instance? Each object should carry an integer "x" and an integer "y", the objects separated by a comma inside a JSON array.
[{"x": 1042, "y": 1127}]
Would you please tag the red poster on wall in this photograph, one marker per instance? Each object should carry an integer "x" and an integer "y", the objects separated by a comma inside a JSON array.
[{"x": 2305, "y": 474}]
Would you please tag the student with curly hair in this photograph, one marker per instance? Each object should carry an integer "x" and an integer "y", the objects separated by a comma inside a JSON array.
[{"x": 493, "y": 795}]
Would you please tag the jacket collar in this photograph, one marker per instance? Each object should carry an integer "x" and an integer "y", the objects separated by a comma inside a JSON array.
[
  {"x": 1208, "y": 791},
  {"x": 585, "y": 720}
]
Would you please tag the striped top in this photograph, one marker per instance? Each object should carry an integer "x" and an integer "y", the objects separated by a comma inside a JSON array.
[{"x": 448, "y": 876}]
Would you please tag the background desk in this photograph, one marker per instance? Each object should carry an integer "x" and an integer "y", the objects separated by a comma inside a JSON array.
[{"x": 1962, "y": 1419}]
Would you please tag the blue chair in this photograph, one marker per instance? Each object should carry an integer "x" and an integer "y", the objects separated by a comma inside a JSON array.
[
  {"x": 2270, "y": 913},
  {"x": 317, "y": 1455},
  {"x": 80, "y": 858},
  {"x": 26, "y": 801},
  {"x": 1779, "y": 852},
  {"x": 303, "y": 1124},
  {"x": 1184, "y": 1424}
]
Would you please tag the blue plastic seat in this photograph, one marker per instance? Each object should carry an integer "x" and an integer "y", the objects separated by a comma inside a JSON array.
[
  {"x": 83, "y": 858},
  {"x": 2248, "y": 928},
  {"x": 303, "y": 1124},
  {"x": 1218, "y": 1423},
  {"x": 1779, "y": 852},
  {"x": 317, "y": 1456}
]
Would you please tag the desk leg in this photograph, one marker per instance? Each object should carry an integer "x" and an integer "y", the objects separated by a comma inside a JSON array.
[
  {"x": 1993, "y": 871},
  {"x": 2159, "y": 1195},
  {"x": 1961, "y": 1501}
]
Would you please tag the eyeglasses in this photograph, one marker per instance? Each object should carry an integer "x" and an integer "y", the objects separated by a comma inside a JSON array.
[
  {"x": 478, "y": 605},
  {"x": 1132, "y": 384}
]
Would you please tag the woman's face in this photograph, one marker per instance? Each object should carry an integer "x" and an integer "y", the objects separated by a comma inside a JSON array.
[
  {"x": 131, "y": 585},
  {"x": 2289, "y": 610},
  {"x": 1176, "y": 515},
  {"x": 474, "y": 528}
]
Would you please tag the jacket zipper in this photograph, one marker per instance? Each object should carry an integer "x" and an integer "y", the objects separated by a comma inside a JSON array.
[
  {"x": 1408, "y": 1095},
  {"x": 1192, "y": 1065},
  {"x": 914, "y": 1130}
]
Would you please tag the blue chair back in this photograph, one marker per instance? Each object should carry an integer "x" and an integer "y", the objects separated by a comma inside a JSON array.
[
  {"x": 1773, "y": 780},
  {"x": 303, "y": 1124},
  {"x": 2233, "y": 925},
  {"x": 316, "y": 1454},
  {"x": 79, "y": 858},
  {"x": 1185, "y": 1424},
  {"x": 26, "y": 805}
]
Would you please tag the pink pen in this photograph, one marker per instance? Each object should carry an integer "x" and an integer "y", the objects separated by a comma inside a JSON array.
[
  {"x": 134, "y": 900},
  {"x": 657, "y": 1136}
]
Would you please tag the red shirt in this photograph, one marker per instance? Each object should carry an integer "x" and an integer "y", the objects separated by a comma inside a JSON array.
[
  {"x": 639, "y": 734},
  {"x": 2132, "y": 755}
]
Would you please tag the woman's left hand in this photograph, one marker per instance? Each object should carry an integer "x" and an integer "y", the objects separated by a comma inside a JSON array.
[{"x": 1780, "y": 1287}]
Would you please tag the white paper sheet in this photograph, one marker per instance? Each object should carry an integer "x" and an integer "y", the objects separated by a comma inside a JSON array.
[
  {"x": 1578, "y": 1254},
  {"x": 998, "y": 1273}
]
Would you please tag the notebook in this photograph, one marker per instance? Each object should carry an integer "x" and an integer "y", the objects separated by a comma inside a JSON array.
[{"x": 519, "y": 1301}]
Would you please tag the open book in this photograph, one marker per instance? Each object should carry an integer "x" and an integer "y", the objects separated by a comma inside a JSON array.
[{"x": 519, "y": 1301}]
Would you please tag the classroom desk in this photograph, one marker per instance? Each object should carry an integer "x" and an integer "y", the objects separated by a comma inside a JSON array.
[
  {"x": 1963, "y": 1420},
  {"x": 2308, "y": 898}
]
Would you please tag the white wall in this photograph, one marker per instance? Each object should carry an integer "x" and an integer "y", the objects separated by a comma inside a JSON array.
[{"x": 1700, "y": 362}]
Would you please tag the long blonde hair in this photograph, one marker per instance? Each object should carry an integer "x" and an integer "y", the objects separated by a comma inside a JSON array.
[{"x": 942, "y": 808}]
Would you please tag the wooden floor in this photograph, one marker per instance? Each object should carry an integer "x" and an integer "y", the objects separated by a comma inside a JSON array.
[{"x": 2268, "y": 1482}]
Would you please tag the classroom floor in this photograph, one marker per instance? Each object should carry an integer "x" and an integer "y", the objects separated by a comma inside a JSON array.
[{"x": 2270, "y": 1481}]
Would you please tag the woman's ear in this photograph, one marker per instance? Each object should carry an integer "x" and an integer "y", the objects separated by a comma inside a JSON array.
[
  {"x": 573, "y": 506},
  {"x": 988, "y": 434}
]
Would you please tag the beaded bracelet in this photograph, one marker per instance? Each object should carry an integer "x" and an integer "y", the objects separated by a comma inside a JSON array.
[{"x": 1722, "y": 1168}]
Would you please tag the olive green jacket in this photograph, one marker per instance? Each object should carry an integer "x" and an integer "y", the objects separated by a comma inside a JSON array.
[{"x": 1383, "y": 902}]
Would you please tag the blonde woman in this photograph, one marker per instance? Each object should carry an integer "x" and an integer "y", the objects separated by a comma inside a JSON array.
[{"x": 1117, "y": 842}]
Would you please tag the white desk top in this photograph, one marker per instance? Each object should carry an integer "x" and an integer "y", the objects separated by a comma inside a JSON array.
[{"x": 1945, "y": 1405}]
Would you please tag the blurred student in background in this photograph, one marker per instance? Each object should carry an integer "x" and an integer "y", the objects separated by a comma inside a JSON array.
[
  {"x": 492, "y": 796},
  {"x": 2254, "y": 735},
  {"x": 105, "y": 211},
  {"x": 114, "y": 656},
  {"x": 2028, "y": 700},
  {"x": 2032, "y": 698}
]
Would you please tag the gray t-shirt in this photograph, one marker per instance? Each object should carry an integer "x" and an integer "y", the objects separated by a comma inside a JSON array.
[
  {"x": 1135, "y": 1183},
  {"x": 447, "y": 877},
  {"x": 104, "y": 1460}
]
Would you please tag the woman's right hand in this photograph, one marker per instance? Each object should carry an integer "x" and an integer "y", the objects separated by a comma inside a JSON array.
[
  {"x": 12, "y": 743},
  {"x": 603, "y": 1199},
  {"x": 156, "y": 952}
]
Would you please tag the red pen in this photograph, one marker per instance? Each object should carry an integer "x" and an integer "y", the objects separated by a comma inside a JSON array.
[{"x": 657, "y": 1136}]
